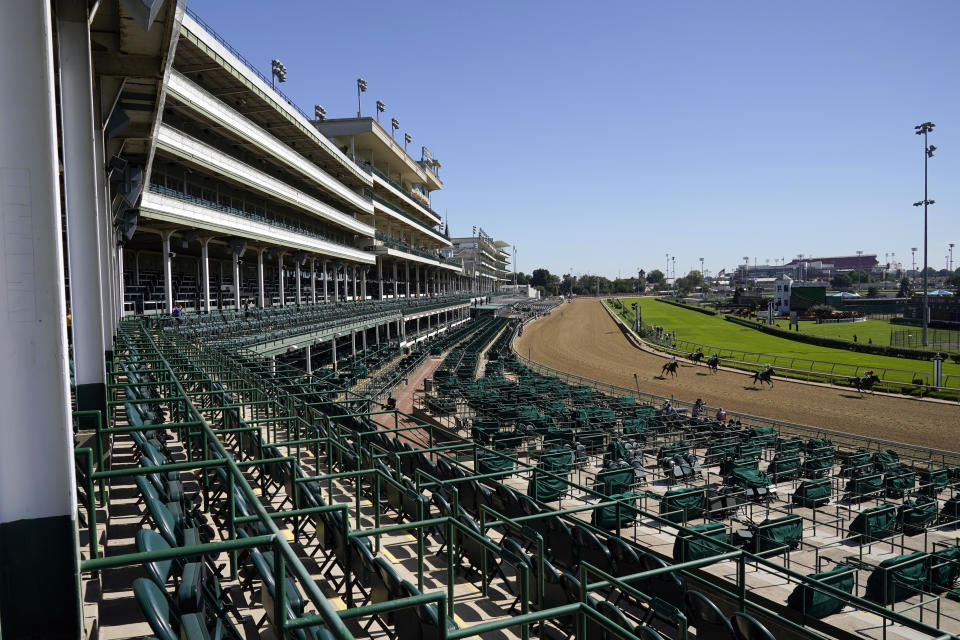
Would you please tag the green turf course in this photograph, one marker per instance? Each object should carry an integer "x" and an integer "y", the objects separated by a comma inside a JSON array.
[
  {"x": 717, "y": 332},
  {"x": 877, "y": 330}
]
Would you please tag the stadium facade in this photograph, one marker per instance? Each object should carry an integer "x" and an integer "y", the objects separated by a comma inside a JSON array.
[
  {"x": 149, "y": 168},
  {"x": 219, "y": 315}
]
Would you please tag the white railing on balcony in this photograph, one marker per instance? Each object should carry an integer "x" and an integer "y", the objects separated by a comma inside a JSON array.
[
  {"x": 191, "y": 215},
  {"x": 184, "y": 146},
  {"x": 218, "y": 45},
  {"x": 198, "y": 98}
]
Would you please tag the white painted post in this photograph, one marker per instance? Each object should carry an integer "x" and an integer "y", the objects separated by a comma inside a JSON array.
[{"x": 38, "y": 504}]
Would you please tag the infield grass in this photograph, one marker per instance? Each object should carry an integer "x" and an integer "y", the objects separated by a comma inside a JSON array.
[{"x": 716, "y": 333}]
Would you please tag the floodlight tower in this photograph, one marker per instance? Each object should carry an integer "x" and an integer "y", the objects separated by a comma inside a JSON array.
[
  {"x": 361, "y": 88},
  {"x": 924, "y": 129},
  {"x": 380, "y": 109},
  {"x": 278, "y": 73}
]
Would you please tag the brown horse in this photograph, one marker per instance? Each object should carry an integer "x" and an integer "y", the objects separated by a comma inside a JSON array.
[
  {"x": 713, "y": 363},
  {"x": 671, "y": 368}
]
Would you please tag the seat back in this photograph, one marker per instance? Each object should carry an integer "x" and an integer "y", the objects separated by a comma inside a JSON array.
[
  {"x": 159, "y": 570},
  {"x": 156, "y": 608},
  {"x": 746, "y": 627},
  {"x": 706, "y": 617}
]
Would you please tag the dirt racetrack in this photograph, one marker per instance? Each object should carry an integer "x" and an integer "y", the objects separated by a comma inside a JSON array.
[{"x": 581, "y": 338}]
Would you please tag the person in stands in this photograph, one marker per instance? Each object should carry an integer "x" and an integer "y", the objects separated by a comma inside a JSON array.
[{"x": 721, "y": 414}]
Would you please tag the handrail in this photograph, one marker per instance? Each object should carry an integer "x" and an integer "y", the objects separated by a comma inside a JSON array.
[{"x": 249, "y": 65}]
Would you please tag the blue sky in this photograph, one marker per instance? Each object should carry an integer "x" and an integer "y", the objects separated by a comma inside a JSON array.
[{"x": 600, "y": 137}]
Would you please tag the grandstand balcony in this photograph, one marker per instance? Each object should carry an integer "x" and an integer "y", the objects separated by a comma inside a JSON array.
[
  {"x": 395, "y": 213},
  {"x": 407, "y": 198},
  {"x": 210, "y": 60},
  {"x": 197, "y": 153},
  {"x": 167, "y": 205},
  {"x": 202, "y": 103}
]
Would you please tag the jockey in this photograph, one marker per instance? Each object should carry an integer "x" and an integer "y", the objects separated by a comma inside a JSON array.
[{"x": 673, "y": 359}]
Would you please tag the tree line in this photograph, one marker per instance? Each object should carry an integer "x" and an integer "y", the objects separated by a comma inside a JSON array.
[{"x": 550, "y": 284}]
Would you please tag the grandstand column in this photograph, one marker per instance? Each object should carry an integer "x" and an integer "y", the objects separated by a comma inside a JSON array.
[
  {"x": 313, "y": 281},
  {"x": 297, "y": 276},
  {"x": 407, "y": 276},
  {"x": 80, "y": 204},
  {"x": 377, "y": 329},
  {"x": 364, "y": 340},
  {"x": 309, "y": 363},
  {"x": 355, "y": 278},
  {"x": 325, "y": 296},
  {"x": 236, "y": 280},
  {"x": 353, "y": 343},
  {"x": 260, "y": 290},
  {"x": 363, "y": 282},
  {"x": 416, "y": 275},
  {"x": 38, "y": 504},
  {"x": 273, "y": 365},
  {"x": 283, "y": 300},
  {"x": 396, "y": 293},
  {"x": 205, "y": 268},
  {"x": 333, "y": 352},
  {"x": 336, "y": 281},
  {"x": 167, "y": 272},
  {"x": 380, "y": 276}
]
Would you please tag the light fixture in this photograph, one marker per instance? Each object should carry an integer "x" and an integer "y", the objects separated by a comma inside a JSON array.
[
  {"x": 394, "y": 125},
  {"x": 407, "y": 139},
  {"x": 380, "y": 109},
  {"x": 361, "y": 87},
  {"x": 319, "y": 113},
  {"x": 278, "y": 72}
]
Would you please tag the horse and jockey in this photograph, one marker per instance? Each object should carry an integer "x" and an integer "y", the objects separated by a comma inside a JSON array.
[
  {"x": 865, "y": 382},
  {"x": 764, "y": 375},
  {"x": 713, "y": 363},
  {"x": 671, "y": 367},
  {"x": 697, "y": 355}
]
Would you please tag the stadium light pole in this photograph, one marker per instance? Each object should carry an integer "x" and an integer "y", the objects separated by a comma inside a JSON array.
[
  {"x": 924, "y": 129},
  {"x": 394, "y": 125},
  {"x": 407, "y": 138},
  {"x": 278, "y": 73},
  {"x": 950, "y": 268},
  {"x": 319, "y": 113},
  {"x": 380, "y": 109},
  {"x": 361, "y": 88},
  {"x": 913, "y": 259},
  {"x": 859, "y": 255}
]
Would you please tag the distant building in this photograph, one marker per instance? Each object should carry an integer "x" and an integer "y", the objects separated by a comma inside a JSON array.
[
  {"x": 827, "y": 267},
  {"x": 522, "y": 290},
  {"x": 943, "y": 309},
  {"x": 781, "y": 294}
]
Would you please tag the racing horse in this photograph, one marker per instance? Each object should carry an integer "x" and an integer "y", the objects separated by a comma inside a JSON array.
[
  {"x": 713, "y": 363},
  {"x": 764, "y": 375},
  {"x": 865, "y": 382},
  {"x": 696, "y": 356},
  {"x": 671, "y": 368}
]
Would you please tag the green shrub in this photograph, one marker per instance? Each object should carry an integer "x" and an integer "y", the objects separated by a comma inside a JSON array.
[
  {"x": 709, "y": 312},
  {"x": 860, "y": 347}
]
